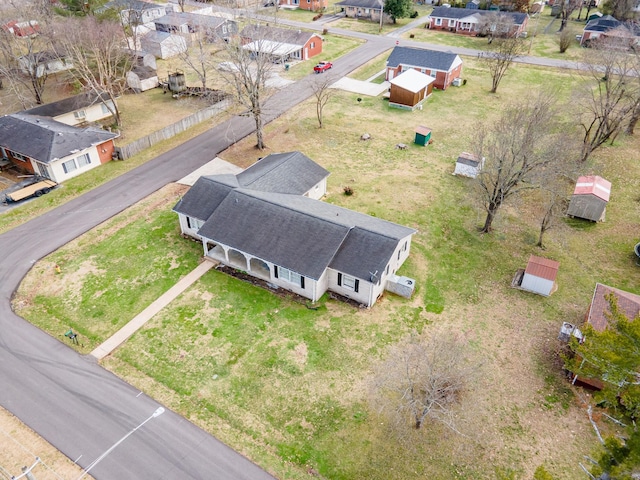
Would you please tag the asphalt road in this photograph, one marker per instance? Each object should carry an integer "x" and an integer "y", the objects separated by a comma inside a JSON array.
[{"x": 73, "y": 402}]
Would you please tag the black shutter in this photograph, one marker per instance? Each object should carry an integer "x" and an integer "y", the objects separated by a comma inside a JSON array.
[
  {"x": 357, "y": 285},
  {"x": 339, "y": 279},
  {"x": 189, "y": 222},
  {"x": 275, "y": 271},
  {"x": 301, "y": 281}
]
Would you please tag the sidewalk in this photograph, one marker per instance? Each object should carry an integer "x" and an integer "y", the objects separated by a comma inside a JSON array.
[{"x": 147, "y": 314}]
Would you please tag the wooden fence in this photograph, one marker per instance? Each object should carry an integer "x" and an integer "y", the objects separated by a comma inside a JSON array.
[{"x": 129, "y": 150}]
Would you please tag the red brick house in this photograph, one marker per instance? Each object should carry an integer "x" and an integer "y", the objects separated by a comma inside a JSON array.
[
  {"x": 282, "y": 43},
  {"x": 470, "y": 21},
  {"x": 312, "y": 5},
  {"x": 442, "y": 66}
]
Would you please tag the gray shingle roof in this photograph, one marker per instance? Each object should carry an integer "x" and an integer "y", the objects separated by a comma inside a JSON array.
[
  {"x": 44, "y": 139},
  {"x": 419, "y": 57},
  {"x": 290, "y": 172},
  {"x": 206, "y": 195},
  {"x": 302, "y": 234},
  {"x": 455, "y": 13},
  {"x": 283, "y": 35},
  {"x": 374, "y": 4},
  {"x": 188, "y": 18},
  {"x": 68, "y": 105}
]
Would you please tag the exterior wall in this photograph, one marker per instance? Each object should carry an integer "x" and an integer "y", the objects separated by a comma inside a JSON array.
[
  {"x": 363, "y": 294},
  {"x": 23, "y": 165},
  {"x": 105, "y": 151},
  {"x": 167, "y": 49},
  {"x": 536, "y": 284},
  {"x": 312, "y": 48},
  {"x": 372, "y": 14},
  {"x": 401, "y": 96},
  {"x": 442, "y": 79},
  {"x": 93, "y": 113},
  {"x": 312, "y": 5},
  {"x": 56, "y": 172},
  {"x": 318, "y": 191},
  {"x": 467, "y": 26},
  {"x": 134, "y": 82},
  {"x": 186, "y": 229}
]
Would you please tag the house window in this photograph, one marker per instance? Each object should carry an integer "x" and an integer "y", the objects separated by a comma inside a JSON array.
[
  {"x": 194, "y": 223},
  {"x": 224, "y": 29},
  {"x": 366, "y": 11},
  {"x": 452, "y": 23},
  {"x": 350, "y": 283},
  {"x": 83, "y": 160},
  {"x": 438, "y": 21},
  {"x": 105, "y": 109},
  {"x": 19, "y": 156},
  {"x": 404, "y": 248},
  {"x": 80, "y": 115},
  {"x": 313, "y": 44},
  {"x": 69, "y": 166},
  {"x": 399, "y": 252},
  {"x": 289, "y": 276},
  {"x": 432, "y": 74}
]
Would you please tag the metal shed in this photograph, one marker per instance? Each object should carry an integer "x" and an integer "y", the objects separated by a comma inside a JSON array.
[
  {"x": 540, "y": 276},
  {"x": 590, "y": 198},
  {"x": 423, "y": 135}
]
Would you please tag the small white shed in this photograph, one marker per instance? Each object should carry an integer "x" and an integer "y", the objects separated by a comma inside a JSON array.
[
  {"x": 163, "y": 45},
  {"x": 468, "y": 165},
  {"x": 540, "y": 276}
]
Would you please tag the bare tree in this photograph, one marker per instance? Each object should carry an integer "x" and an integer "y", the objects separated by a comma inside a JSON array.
[
  {"x": 423, "y": 378},
  {"x": 101, "y": 63},
  {"x": 568, "y": 7},
  {"x": 323, "y": 93},
  {"x": 248, "y": 67},
  {"x": 609, "y": 96},
  {"x": 518, "y": 149},
  {"x": 554, "y": 201},
  {"x": 620, "y": 9},
  {"x": 500, "y": 59},
  {"x": 495, "y": 25}
]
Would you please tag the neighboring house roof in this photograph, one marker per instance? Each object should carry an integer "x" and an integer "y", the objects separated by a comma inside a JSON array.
[
  {"x": 136, "y": 5},
  {"x": 470, "y": 159},
  {"x": 187, "y": 18},
  {"x": 143, "y": 72},
  {"x": 71, "y": 104},
  {"x": 412, "y": 80},
  {"x": 457, "y": 13},
  {"x": 46, "y": 140},
  {"x": 158, "y": 37},
  {"x": 542, "y": 268},
  {"x": 374, "y": 4},
  {"x": 282, "y": 35},
  {"x": 593, "y": 185},
  {"x": 628, "y": 303},
  {"x": 43, "y": 57},
  {"x": 290, "y": 172},
  {"x": 419, "y": 57},
  {"x": 602, "y": 24}
]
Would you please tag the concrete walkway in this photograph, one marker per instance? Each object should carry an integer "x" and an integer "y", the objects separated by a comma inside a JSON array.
[{"x": 147, "y": 314}]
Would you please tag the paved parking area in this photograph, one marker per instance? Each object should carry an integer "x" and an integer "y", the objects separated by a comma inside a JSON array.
[{"x": 361, "y": 87}]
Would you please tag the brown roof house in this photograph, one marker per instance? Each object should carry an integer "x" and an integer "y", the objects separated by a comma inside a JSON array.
[
  {"x": 539, "y": 276},
  {"x": 590, "y": 198},
  {"x": 268, "y": 221},
  {"x": 599, "y": 309}
]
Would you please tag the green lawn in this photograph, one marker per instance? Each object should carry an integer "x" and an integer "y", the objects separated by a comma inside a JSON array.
[{"x": 288, "y": 386}]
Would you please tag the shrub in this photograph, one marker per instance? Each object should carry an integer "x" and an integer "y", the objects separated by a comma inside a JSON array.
[
  {"x": 348, "y": 191},
  {"x": 414, "y": 14}
]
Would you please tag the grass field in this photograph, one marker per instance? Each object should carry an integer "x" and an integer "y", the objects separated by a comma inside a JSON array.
[{"x": 286, "y": 385}]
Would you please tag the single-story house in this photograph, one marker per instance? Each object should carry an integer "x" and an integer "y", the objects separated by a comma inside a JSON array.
[
  {"x": 410, "y": 89},
  {"x": 282, "y": 43},
  {"x": 266, "y": 221},
  {"x": 312, "y": 5},
  {"x": 468, "y": 165},
  {"x": 186, "y": 23},
  {"x": 163, "y": 45},
  {"x": 84, "y": 108},
  {"x": 136, "y": 12},
  {"x": 22, "y": 29},
  {"x": 599, "y": 309},
  {"x": 590, "y": 198},
  {"x": 43, "y": 146},
  {"x": 44, "y": 63},
  {"x": 364, "y": 10},
  {"x": 141, "y": 78},
  {"x": 540, "y": 276},
  {"x": 469, "y": 22},
  {"x": 444, "y": 67},
  {"x": 608, "y": 27}
]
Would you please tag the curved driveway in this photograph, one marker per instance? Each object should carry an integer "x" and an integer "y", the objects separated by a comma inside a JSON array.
[{"x": 73, "y": 402}]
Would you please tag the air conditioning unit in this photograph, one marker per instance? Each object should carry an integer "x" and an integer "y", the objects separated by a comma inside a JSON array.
[{"x": 457, "y": 82}]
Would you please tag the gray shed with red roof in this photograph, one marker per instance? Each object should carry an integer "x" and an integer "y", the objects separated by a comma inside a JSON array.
[
  {"x": 540, "y": 276},
  {"x": 590, "y": 198}
]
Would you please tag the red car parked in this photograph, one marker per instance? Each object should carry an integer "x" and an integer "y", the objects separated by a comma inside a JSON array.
[{"x": 322, "y": 67}]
